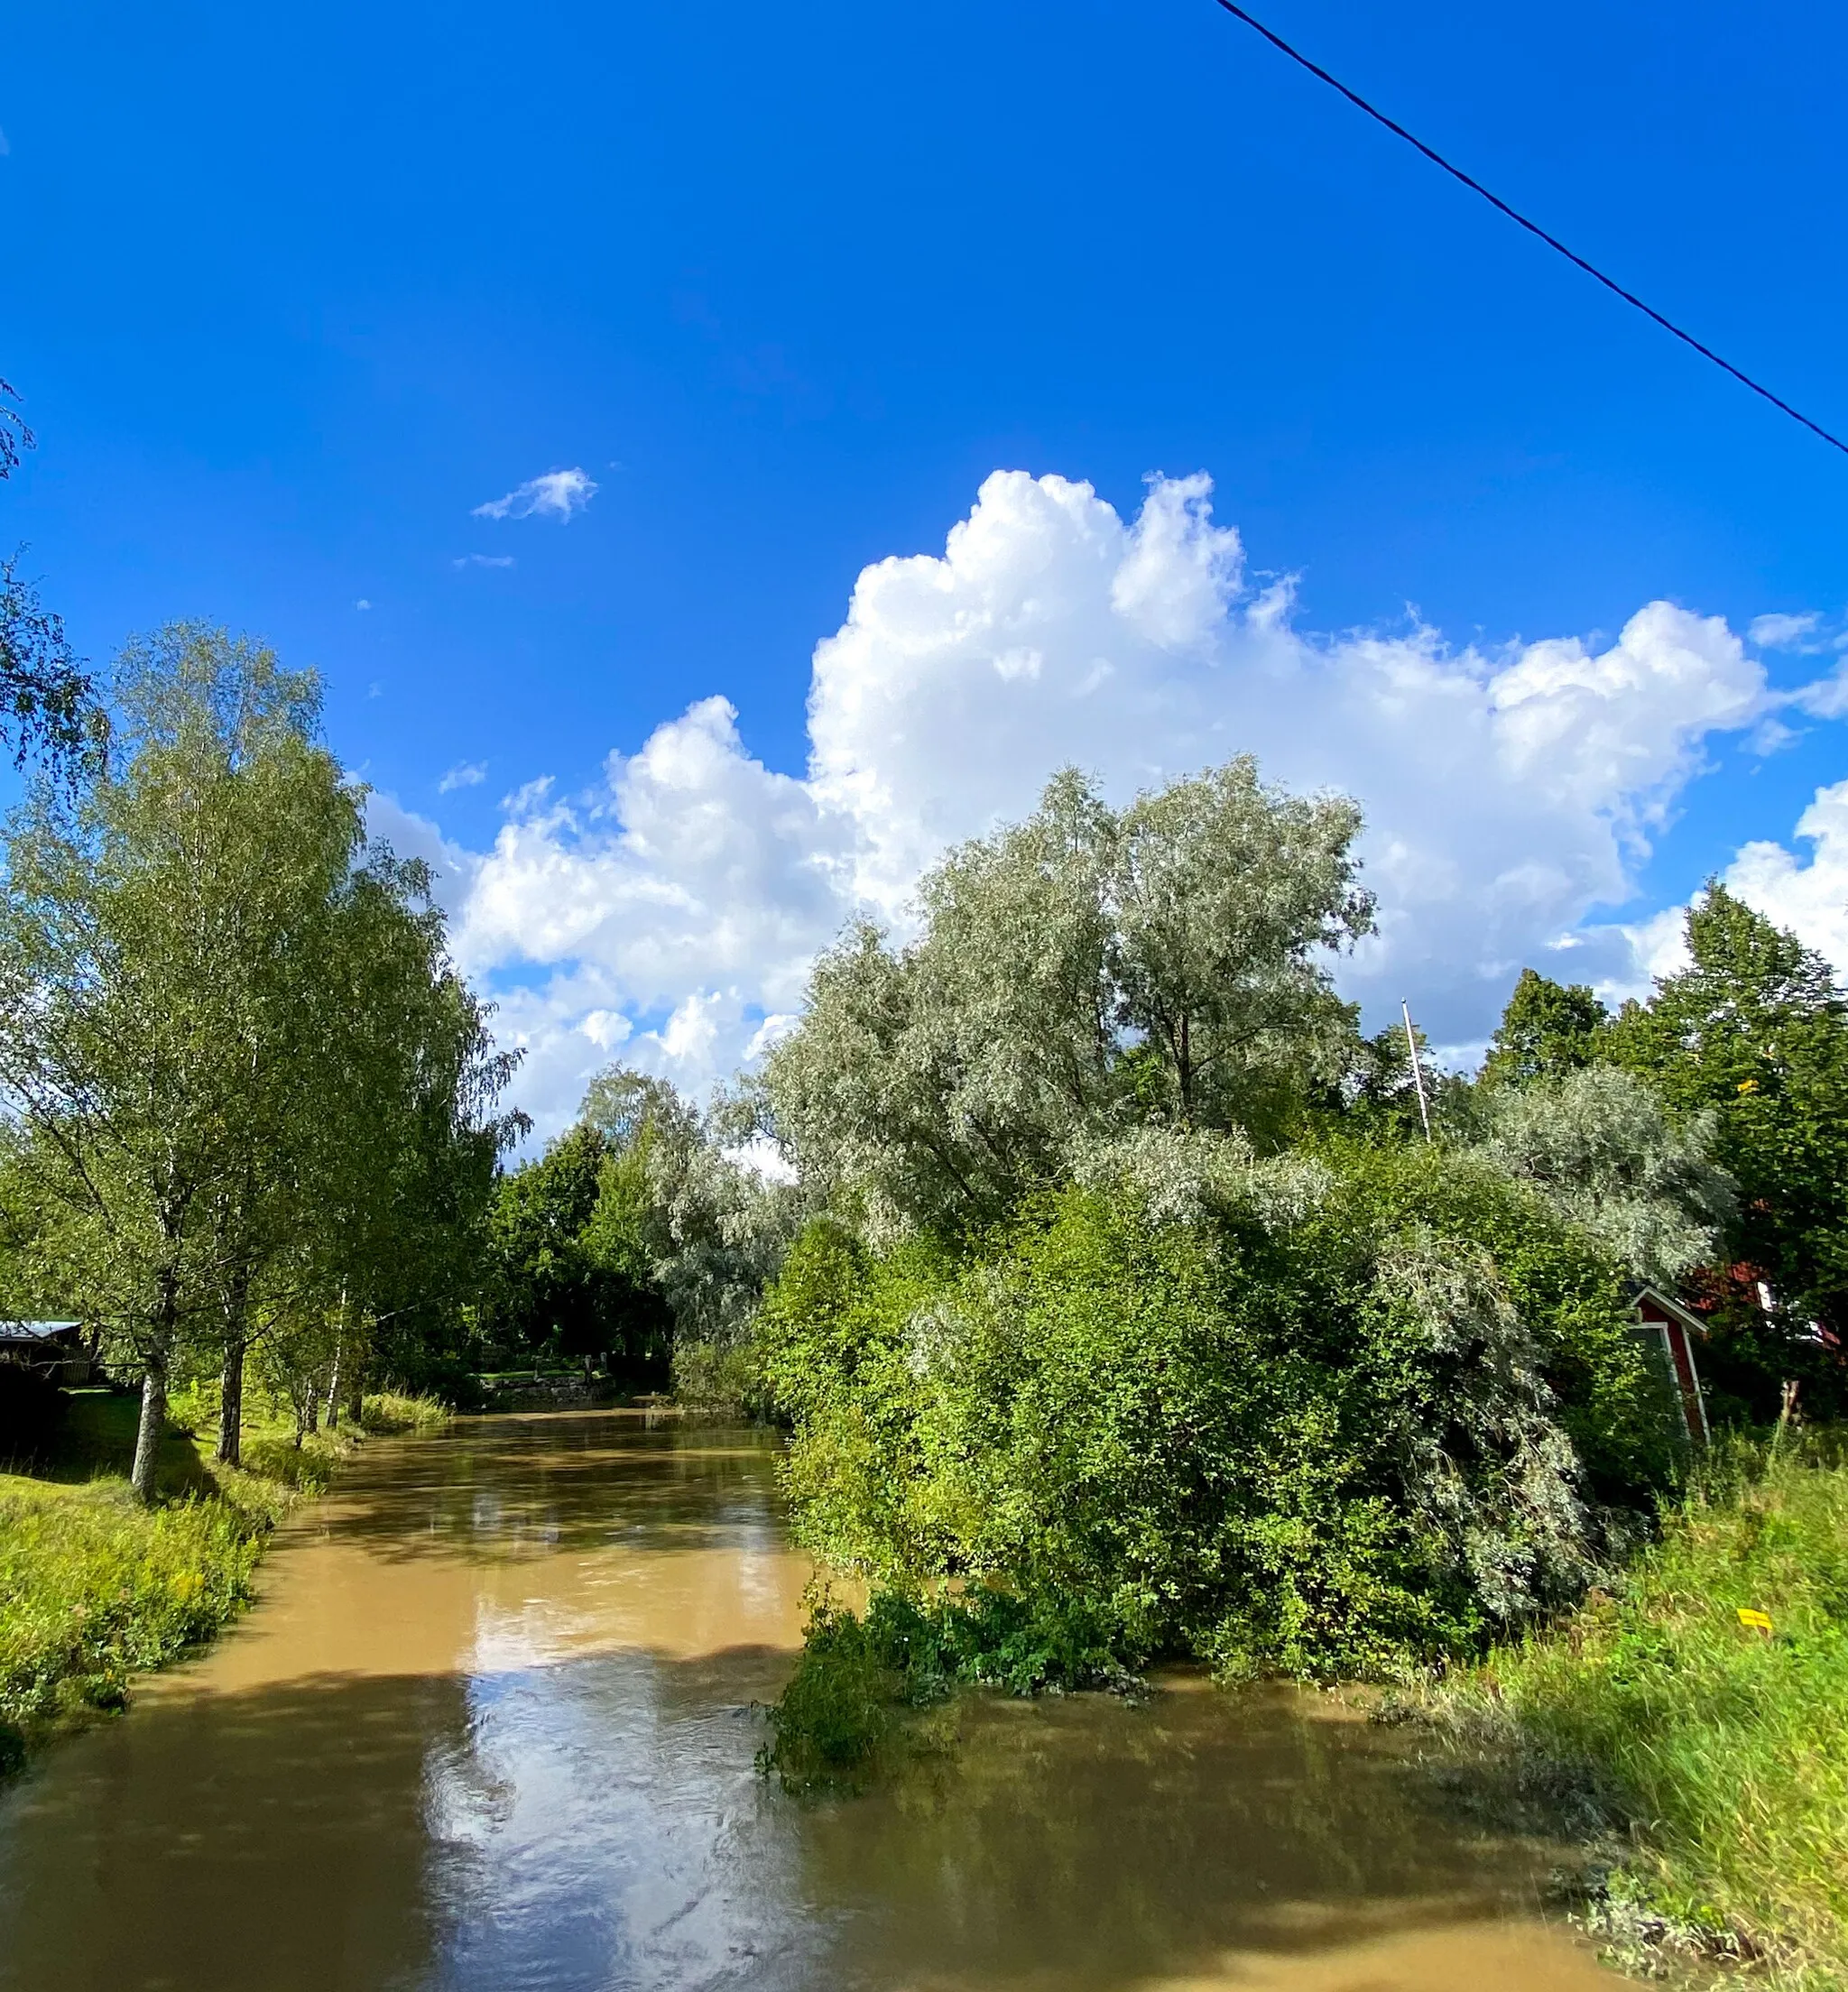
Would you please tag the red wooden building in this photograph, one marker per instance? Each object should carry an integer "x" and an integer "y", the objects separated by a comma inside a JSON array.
[{"x": 1661, "y": 1318}]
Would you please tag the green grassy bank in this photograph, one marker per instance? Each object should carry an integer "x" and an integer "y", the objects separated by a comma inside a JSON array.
[
  {"x": 95, "y": 1588},
  {"x": 1720, "y": 1750}
]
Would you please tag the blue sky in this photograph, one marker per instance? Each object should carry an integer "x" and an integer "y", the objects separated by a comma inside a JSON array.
[{"x": 289, "y": 292}]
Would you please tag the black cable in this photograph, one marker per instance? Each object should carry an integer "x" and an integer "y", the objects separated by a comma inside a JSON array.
[{"x": 1532, "y": 228}]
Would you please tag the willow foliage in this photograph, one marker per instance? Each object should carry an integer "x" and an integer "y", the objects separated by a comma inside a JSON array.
[
  {"x": 1346, "y": 1417},
  {"x": 1077, "y": 974}
]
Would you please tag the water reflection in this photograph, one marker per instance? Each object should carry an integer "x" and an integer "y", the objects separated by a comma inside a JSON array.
[{"x": 493, "y": 1728}]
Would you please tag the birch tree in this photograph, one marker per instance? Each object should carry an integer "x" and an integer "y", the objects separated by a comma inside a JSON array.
[
  {"x": 247, "y": 1086},
  {"x": 142, "y": 927}
]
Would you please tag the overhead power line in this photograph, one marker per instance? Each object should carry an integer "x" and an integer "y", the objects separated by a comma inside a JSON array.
[{"x": 1532, "y": 228}]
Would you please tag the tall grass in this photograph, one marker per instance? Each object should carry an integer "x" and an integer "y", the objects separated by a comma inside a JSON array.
[
  {"x": 1724, "y": 1748},
  {"x": 93, "y": 1588},
  {"x": 389, "y": 1413}
]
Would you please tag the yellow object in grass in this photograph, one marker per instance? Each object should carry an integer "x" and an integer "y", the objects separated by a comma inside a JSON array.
[{"x": 1759, "y": 1621}]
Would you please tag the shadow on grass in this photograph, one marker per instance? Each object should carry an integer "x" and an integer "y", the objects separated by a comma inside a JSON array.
[{"x": 94, "y": 1440}]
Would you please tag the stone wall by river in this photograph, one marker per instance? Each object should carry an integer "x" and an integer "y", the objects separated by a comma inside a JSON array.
[{"x": 491, "y": 1728}]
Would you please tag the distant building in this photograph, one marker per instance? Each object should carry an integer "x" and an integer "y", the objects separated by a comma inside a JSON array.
[
  {"x": 1663, "y": 1319},
  {"x": 57, "y": 1349}
]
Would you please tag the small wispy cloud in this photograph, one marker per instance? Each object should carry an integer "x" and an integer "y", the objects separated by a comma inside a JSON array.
[
  {"x": 1786, "y": 632},
  {"x": 483, "y": 561},
  {"x": 556, "y": 495},
  {"x": 4, "y": 147},
  {"x": 362, "y": 604},
  {"x": 465, "y": 774}
]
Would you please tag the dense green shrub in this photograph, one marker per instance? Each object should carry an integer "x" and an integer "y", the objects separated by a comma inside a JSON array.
[
  {"x": 844, "y": 1709},
  {"x": 1324, "y": 1417}
]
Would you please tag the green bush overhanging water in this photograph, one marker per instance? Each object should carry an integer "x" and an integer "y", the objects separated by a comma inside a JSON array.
[{"x": 1340, "y": 1417}]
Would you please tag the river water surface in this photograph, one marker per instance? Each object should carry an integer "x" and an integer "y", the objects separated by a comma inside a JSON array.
[{"x": 491, "y": 1728}]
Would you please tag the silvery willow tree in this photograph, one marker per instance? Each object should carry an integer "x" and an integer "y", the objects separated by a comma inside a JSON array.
[{"x": 1082, "y": 973}]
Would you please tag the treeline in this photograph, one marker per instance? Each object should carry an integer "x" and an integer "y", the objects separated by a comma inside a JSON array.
[
  {"x": 1747, "y": 1050},
  {"x": 1093, "y": 1256},
  {"x": 251, "y": 1110},
  {"x": 1109, "y": 1276},
  {"x": 638, "y": 1244}
]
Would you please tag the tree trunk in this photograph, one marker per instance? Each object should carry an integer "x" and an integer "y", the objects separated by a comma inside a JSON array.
[
  {"x": 154, "y": 1420},
  {"x": 344, "y": 1385},
  {"x": 153, "y": 1393},
  {"x": 231, "y": 1402},
  {"x": 231, "y": 1373}
]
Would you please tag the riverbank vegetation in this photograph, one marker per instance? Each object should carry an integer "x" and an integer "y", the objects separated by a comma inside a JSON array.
[
  {"x": 1136, "y": 1307},
  {"x": 250, "y": 1131},
  {"x": 1699, "y": 1699},
  {"x": 93, "y": 1587},
  {"x": 248, "y": 1140},
  {"x": 1136, "y": 1286},
  {"x": 96, "y": 1586}
]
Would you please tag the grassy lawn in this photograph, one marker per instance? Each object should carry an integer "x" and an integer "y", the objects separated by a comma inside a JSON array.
[
  {"x": 95, "y": 1587},
  {"x": 1721, "y": 1748}
]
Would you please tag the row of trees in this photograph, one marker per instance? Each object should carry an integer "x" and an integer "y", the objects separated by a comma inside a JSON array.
[
  {"x": 1090, "y": 979},
  {"x": 251, "y": 1111},
  {"x": 638, "y": 1242},
  {"x": 1747, "y": 1048}
]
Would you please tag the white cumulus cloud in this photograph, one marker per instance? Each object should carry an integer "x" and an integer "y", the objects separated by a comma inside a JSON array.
[
  {"x": 1810, "y": 898},
  {"x": 1510, "y": 793},
  {"x": 465, "y": 774},
  {"x": 556, "y": 495}
]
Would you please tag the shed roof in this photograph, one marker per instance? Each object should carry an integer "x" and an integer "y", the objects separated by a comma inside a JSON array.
[
  {"x": 1676, "y": 1310},
  {"x": 34, "y": 1333}
]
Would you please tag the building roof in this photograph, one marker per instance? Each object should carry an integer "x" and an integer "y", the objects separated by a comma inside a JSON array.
[
  {"x": 34, "y": 1333},
  {"x": 1676, "y": 1310}
]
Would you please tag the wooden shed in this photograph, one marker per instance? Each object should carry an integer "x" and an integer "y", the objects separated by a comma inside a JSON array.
[
  {"x": 56, "y": 1350},
  {"x": 1676, "y": 1329}
]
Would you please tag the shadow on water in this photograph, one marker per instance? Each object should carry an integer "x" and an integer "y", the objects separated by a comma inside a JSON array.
[
  {"x": 536, "y": 1483},
  {"x": 531, "y": 1766}
]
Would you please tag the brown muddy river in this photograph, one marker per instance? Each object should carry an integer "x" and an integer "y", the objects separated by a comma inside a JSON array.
[{"x": 491, "y": 1729}]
